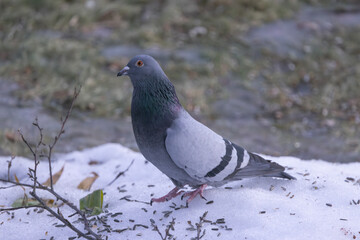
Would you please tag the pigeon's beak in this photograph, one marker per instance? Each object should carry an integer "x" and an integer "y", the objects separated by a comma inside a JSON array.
[{"x": 124, "y": 71}]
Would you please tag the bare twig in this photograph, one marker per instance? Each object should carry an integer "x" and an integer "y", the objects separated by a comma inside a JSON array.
[
  {"x": 36, "y": 124},
  {"x": 169, "y": 227},
  {"x": 36, "y": 161},
  {"x": 72, "y": 206},
  {"x": 22, "y": 207},
  {"x": 9, "y": 166},
  {"x": 57, "y": 196},
  {"x": 27, "y": 144},
  {"x": 200, "y": 234},
  {"x": 36, "y": 185},
  {"x": 127, "y": 198},
  {"x": 21, "y": 184},
  {"x": 62, "y": 219},
  {"x": 155, "y": 228},
  {"x": 7, "y": 186},
  {"x": 121, "y": 173},
  {"x": 51, "y": 147},
  {"x": 32, "y": 172}
]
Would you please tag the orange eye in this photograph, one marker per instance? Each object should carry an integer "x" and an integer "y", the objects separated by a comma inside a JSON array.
[{"x": 139, "y": 63}]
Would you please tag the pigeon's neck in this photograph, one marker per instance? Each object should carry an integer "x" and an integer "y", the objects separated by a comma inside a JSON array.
[{"x": 158, "y": 100}]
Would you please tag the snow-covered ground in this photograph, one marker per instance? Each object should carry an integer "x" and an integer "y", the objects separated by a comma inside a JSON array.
[{"x": 324, "y": 202}]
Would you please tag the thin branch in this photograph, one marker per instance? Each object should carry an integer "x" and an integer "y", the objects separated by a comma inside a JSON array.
[
  {"x": 32, "y": 172},
  {"x": 36, "y": 124},
  {"x": 51, "y": 147},
  {"x": 9, "y": 166},
  {"x": 127, "y": 198},
  {"x": 7, "y": 186},
  {"x": 20, "y": 184},
  {"x": 22, "y": 207},
  {"x": 199, "y": 225},
  {"x": 58, "y": 197},
  {"x": 121, "y": 173},
  {"x": 155, "y": 228},
  {"x": 36, "y": 161},
  {"x": 81, "y": 213},
  {"x": 61, "y": 218},
  {"x": 26, "y": 142},
  {"x": 35, "y": 177},
  {"x": 169, "y": 227},
  {"x": 36, "y": 185}
]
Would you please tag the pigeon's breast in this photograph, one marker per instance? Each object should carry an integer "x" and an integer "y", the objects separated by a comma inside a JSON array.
[{"x": 150, "y": 133}]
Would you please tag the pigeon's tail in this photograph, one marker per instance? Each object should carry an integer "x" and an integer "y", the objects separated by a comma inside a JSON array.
[
  {"x": 281, "y": 175},
  {"x": 261, "y": 167}
]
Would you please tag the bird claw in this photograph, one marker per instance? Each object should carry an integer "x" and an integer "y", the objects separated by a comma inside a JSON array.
[
  {"x": 176, "y": 191},
  {"x": 193, "y": 194},
  {"x": 173, "y": 193}
]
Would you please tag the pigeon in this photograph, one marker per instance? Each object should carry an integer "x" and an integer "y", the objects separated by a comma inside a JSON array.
[{"x": 185, "y": 150}]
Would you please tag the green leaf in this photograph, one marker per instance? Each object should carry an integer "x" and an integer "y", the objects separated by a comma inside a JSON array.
[
  {"x": 96, "y": 211},
  {"x": 93, "y": 201},
  {"x": 22, "y": 202}
]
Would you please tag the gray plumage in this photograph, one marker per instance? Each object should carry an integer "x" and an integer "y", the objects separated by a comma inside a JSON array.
[{"x": 188, "y": 152}]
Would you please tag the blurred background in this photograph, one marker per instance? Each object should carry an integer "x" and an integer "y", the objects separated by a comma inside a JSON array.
[{"x": 279, "y": 77}]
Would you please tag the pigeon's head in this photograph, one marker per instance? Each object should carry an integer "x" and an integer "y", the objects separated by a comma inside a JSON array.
[{"x": 142, "y": 69}]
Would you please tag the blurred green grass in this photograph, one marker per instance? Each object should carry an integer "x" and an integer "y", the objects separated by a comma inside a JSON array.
[
  {"x": 324, "y": 81},
  {"x": 48, "y": 47}
]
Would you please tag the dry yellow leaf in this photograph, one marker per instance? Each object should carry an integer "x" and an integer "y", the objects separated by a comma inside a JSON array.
[
  {"x": 87, "y": 182},
  {"x": 55, "y": 177},
  {"x": 25, "y": 201},
  {"x": 17, "y": 180}
]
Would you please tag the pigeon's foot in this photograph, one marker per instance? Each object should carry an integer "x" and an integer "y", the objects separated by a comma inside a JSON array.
[
  {"x": 173, "y": 193},
  {"x": 193, "y": 194}
]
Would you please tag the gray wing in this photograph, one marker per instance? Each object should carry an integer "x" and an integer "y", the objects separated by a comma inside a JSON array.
[
  {"x": 209, "y": 158},
  {"x": 202, "y": 153}
]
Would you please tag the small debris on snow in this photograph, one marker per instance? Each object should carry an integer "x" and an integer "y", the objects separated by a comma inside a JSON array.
[{"x": 319, "y": 213}]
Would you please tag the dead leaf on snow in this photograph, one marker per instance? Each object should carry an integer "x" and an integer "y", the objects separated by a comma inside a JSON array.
[
  {"x": 55, "y": 177},
  {"x": 87, "y": 182},
  {"x": 17, "y": 180},
  {"x": 94, "y": 162},
  {"x": 24, "y": 202}
]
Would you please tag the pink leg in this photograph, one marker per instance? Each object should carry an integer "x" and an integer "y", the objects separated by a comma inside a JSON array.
[
  {"x": 173, "y": 193},
  {"x": 193, "y": 194}
]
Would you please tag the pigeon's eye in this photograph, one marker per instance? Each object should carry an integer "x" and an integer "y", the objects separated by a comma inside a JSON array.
[{"x": 139, "y": 63}]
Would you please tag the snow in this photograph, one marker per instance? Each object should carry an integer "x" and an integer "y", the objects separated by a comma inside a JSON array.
[{"x": 317, "y": 206}]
